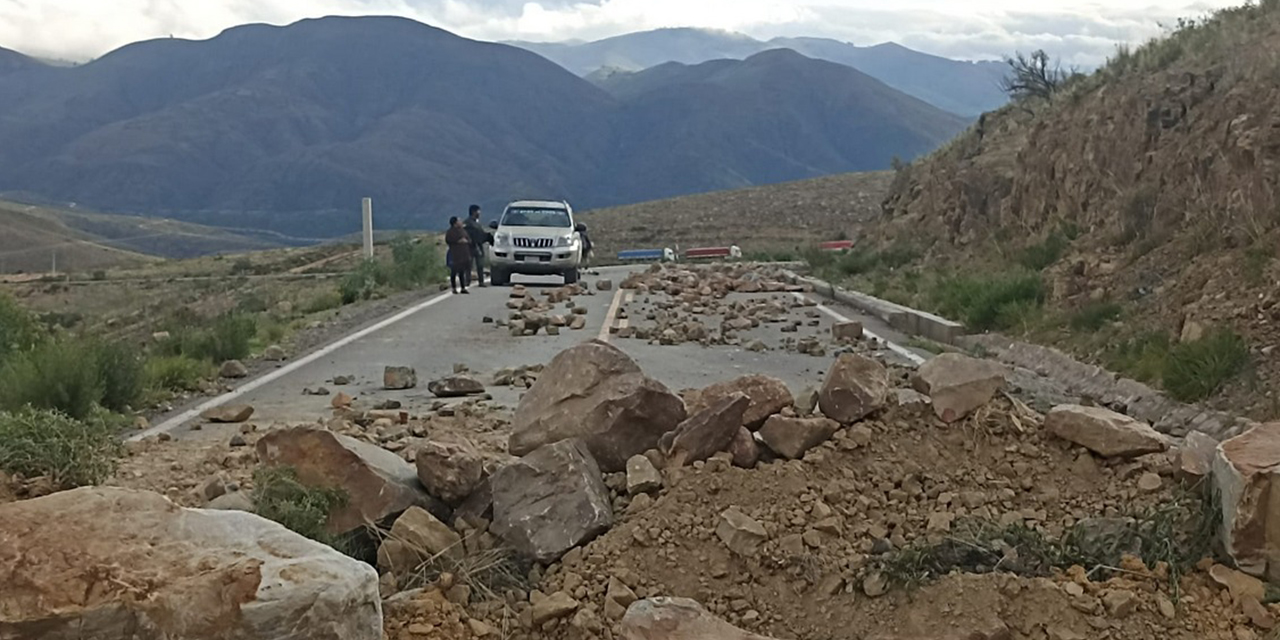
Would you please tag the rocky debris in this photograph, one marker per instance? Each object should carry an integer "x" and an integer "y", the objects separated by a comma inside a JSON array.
[
  {"x": 958, "y": 384},
  {"x": 233, "y": 369},
  {"x": 550, "y": 501},
  {"x": 911, "y": 399},
  {"x": 342, "y": 401},
  {"x": 875, "y": 585},
  {"x": 791, "y": 438},
  {"x": 523, "y": 376},
  {"x": 450, "y": 471},
  {"x": 233, "y": 501},
  {"x": 604, "y": 285},
  {"x": 321, "y": 391},
  {"x": 768, "y": 396},
  {"x": 855, "y": 387},
  {"x": 377, "y": 482},
  {"x": 578, "y": 323},
  {"x": 1195, "y": 455},
  {"x": 1105, "y": 432},
  {"x": 207, "y": 573},
  {"x": 399, "y": 378},
  {"x": 642, "y": 476},
  {"x": 274, "y": 353},
  {"x": 707, "y": 432},
  {"x": 742, "y": 534},
  {"x": 677, "y": 619},
  {"x": 842, "y": 331},
  {"x": 597, "y": 393},
  {"x": 806, "y": 402},
  {"x": 553, "y": 607},
  {"x": 744, "y": 449},
  {"x": 1243, "y": 472},
  {"x": 456, "y": 386},
  {"x": 417, "y": 537},
  {"x": 341, "y": 381},
  {"x": 1238, "y": 584},
  {"x": 228, "y": 414}
]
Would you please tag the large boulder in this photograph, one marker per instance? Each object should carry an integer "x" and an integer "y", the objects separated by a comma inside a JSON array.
[
  {"x": 1105, "y": 432},
  {"x": 793, "y": 437},
  {"x": 378, "y": 483},
  {"x": 595, "y": 392},
  {"x": 768, "y": 397},
  {"x": 855, "y": 387},
  {"x": 958, "y": 384},
  {"x": 1244, "y": 473},
  {"x": 677, "y": 619},
  {"x": 450, "y": 471},
  {"x": 550, "y": 501},
  {"x": 706, "y": 432},
  {"x": 105, "y": 562}
]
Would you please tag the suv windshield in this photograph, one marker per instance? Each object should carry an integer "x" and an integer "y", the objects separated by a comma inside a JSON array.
[{"x": 536, "y": 217}]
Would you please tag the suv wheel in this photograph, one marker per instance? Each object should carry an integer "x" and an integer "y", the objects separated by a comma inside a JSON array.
[
  {"x": 499, "y": 278},
  {"x": 571, "y": 276}
]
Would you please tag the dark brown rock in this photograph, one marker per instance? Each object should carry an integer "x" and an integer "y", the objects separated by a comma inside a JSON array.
[
  {"x": 450, "y": 471},
  {"x": 399, "y": 378},
  {"x": 744, "y": 449},
  {"x": 768, "y": 397},
  {"x": 707, "y": 432},
  {"x": 855, "y": 387},
  {"x": 792, "y": 437},
  {"x": 228, "y": 414},
  {"x": 455, "y": 386}
]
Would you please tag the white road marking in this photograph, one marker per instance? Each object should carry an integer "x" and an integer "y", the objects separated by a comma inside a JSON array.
[
  {"x": 894, "y": 347},
  {"x": 186, "y": 416},
  {"x": 608, "y": 318}
]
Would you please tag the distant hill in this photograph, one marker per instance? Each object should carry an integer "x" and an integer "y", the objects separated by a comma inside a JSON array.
[
  {"x": 965, "y": 88},
  {"x": 287, "y": 128},
  {"x": 774, "y": 117},
  {"x": 12, "y": 61},
  {"x": 35, "y": 236}
]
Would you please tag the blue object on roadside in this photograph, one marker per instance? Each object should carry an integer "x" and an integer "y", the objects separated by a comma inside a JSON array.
[{"x": 641, "y": 254}]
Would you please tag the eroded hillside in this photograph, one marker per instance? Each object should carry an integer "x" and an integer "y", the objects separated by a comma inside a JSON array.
[{"x": 1139, "y": 204}]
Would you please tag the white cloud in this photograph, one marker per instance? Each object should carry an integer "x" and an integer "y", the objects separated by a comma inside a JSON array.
[{"x": 1080, "y": 33}]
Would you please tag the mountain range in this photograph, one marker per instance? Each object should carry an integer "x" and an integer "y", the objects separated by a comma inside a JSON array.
[
  {"x": 965, "y": 88},
  {"x": 287, "y": 128}
]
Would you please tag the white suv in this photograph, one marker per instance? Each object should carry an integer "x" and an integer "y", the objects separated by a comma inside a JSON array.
[{"x": 536, "y": 237}]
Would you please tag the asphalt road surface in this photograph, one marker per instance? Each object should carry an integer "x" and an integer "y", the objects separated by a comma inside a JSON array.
[{"x": 446, "y": 329}]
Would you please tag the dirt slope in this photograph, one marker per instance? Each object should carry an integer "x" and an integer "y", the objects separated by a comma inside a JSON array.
[{"x": 1156, "y": 176}]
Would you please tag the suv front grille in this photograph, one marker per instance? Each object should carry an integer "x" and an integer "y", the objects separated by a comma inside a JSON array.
[{"x": 534, "y": 243}]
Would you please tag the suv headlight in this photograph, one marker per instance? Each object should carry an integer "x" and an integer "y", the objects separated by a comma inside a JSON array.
[
  {"x": 564, "y": 241},
  {"x": 502, "y": 239}
]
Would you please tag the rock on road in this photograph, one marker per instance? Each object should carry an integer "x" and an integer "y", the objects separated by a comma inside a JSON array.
[{"x": 436, "y": 338}]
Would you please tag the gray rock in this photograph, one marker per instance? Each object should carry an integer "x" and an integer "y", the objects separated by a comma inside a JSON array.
[
  {"x": 233, "y": 369},
  {"x": 642, "y": 477},
  {"x": 958, "y": 384},
  {"x": 456, "y": 386},
  {"x": 550, "y": 501},
  {"x": 397, "y": 378},
  {"x": 855, "y": 387}
]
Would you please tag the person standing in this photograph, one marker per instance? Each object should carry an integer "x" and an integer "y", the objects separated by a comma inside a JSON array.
[
  {"x": 459, "y": 243},
  {"x": 478, "y": 236}
]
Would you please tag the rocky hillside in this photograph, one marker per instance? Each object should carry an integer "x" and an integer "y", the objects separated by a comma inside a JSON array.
[
  {"x": 283, "y": 128},
  {"x": 1145, "y": 195}
]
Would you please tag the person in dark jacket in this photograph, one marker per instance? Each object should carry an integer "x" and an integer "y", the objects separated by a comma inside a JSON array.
[
  {"x": 479, "y": 236},
  {"x": 459, "y": 243}
]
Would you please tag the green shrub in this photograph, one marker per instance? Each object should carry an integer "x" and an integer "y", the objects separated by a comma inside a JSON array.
[
  {"x": 1198, "y": 370},
  {"x": 121, "y": 372},
  {"x": 323, "y": 302},
  {"x": 229, "y": 337},
  {"x": 361, "y": 283},
  {"x": 988, "y": 302},
  {"x": 73, "y": 452},
  {"x": 19, "y": 330},
  {"x": 1094, "y": 315},
  {"x": 1256, "y": 260},
  {"x": 278, "y": 495},
  {"x": 56, "y": 375},
  {"x": 1042, "y": 255},
  {"x": 1141, "y": 358},
  {"x": 415, "y": 264},
  {"x": 177, "y": 373},
  {"x": 252, "y": 303}
]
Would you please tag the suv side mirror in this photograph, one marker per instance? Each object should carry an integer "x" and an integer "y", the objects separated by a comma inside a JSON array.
[
  {"x": 493, "y": 224},
  {"x": 581, "y": 228}
]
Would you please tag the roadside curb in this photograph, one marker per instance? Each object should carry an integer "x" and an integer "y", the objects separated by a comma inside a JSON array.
[{"x": 905, "y": 319}]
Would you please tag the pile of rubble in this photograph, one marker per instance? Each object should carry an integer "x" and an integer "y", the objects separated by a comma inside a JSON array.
[
  {"x": 529, "y": 315},
  {"x": 610, "y": 506}
]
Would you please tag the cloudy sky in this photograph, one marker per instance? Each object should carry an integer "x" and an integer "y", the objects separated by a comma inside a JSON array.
[{"x": 1082, "y": 33}]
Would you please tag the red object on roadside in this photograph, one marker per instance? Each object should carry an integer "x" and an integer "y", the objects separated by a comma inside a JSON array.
[
  {"x": 707, "y": 252},
  {"x": 836, "y": 245}
]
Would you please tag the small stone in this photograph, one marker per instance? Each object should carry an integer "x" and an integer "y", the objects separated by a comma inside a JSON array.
[
  {"x": 604, "y": 285},
  {"x": 238, "y": 441},
  {"x": 228, "y": 414},
  {"x": 553, "y": 607},
  {"x": 742, "y": 534},
  {"x": 233, "y": 369},
  {"x": 274, "y": 353},
  {"x": 1150, "y": 482},
  {"x": 341, "y": 401},
  {"x": 1166, "y": 607},
  {"x": 1073, "y": 589},
  {"x": 642, "y": 477},
  {"x": 399, "y": 378},
  {"x": 875, "y": 585},
  {"x": 339, "y": 381},
  {"x": 1120, "y": 603},
  {"x": 480, "y": 628}
]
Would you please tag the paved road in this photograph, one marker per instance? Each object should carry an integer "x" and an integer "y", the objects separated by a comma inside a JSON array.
[{"x": 447, "y": 329}]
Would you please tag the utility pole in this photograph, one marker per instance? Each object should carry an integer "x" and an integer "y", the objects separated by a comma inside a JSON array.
[
  {"x": 368, "y": 228},
  {"x": 55, "y": 262}
]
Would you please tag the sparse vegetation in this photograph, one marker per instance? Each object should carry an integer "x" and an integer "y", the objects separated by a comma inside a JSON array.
[
  {"x": 72, "y": 452},
  {"x": 1256, "y": 261},
  {"x": 983, "y": 303},
  {"x": 1033, "y": 77},
  {"x": 229, "y": 337},
  {"x": 413, "y": 264},
  {"x": 177, "y": 373},
  {"x": 122, "y": 373},
  {"x": 57, "y": 375},
  {"x": 1094, "y": 315},
  {"x": 1179, "y": 533},
  {"x": 278, "y": 495},
  {"x": 1199, "y": 369},
  {"x": 1141, "y": 357},
  {"x": 1044, "y": 254},
  {"x": 323, "y": 302},
  {"x": 18, "y": 328}
]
